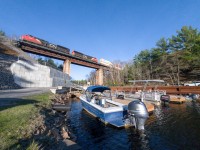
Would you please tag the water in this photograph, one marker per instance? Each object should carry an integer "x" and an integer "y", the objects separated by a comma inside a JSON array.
[{"x": 168, "y": 128}]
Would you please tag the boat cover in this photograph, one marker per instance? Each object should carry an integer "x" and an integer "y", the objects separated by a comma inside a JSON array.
[{"x": 97, "y": 88}]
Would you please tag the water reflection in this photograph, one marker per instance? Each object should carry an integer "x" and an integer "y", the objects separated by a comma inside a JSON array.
[
  {"x": 176, "y": 126},
  {"x": 137, "y": 139}
]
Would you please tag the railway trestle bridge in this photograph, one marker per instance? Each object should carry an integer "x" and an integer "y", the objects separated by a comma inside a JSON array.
[{"x": 66, "y": 57}]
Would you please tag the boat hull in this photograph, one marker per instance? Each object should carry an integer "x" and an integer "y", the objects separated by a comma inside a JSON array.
[{"x": 114, "y": 118}]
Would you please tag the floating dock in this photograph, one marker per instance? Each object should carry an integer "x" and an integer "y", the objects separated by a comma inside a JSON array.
[
  {"x": 177, "y": 99},
  {"x": 149, "y": 105}
]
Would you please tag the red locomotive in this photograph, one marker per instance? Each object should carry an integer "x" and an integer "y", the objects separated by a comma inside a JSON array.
[
  {"x": 30, "y": 38},
  {"x": 42, "y": 42}
]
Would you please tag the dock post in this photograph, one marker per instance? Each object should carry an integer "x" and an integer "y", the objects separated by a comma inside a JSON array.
[{"x": 142, "y": 96}]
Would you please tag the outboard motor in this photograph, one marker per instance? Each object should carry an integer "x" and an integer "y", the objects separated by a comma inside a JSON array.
[
  {"x": 195, "y": 96},
  {"x": 137, "y": 114},
  {"x": 165, "y": 98},
  {"x": 120, "y": 96}
]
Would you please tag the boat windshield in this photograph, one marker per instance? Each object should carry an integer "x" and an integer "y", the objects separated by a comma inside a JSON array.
[
  {"x": 107, "y": 94},
  {"x": 99, "y": 95},
  {"x": 98, "y": 92}
]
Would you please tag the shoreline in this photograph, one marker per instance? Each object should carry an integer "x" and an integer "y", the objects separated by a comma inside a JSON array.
[{"x": 36, "y": 125}]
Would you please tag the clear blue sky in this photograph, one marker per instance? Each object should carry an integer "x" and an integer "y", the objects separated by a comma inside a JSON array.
[{"x": 109, "y": 29}]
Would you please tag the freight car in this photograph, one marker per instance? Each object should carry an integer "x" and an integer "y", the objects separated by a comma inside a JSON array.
[
  {"x": 35, "y": 40},
  {"x": 105, "y": 62},
  {"x": 81, "y": 55}
]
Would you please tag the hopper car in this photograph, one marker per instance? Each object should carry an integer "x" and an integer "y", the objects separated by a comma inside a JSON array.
[{"x": 81, "y": 55}]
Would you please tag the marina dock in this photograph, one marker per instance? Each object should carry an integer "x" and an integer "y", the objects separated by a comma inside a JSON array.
[
  {"x": 149, "y": 105},
  {"x": 177, "y": 99}
]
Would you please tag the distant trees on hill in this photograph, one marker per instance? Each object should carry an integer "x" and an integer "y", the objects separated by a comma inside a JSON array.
[
  {"x": 79, "y": 82},
  {"x": 175, "y": 60},
  {"x": 49, "y": 62}
]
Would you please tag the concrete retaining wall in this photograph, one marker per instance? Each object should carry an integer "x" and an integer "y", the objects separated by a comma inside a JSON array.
[{"x": 27, "y": 74}]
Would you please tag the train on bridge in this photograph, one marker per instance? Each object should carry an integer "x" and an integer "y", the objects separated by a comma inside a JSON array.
[{"x": 31, "y": 39}]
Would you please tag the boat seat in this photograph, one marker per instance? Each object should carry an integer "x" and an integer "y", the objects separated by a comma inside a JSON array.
[{"x": 102, "y": 102}]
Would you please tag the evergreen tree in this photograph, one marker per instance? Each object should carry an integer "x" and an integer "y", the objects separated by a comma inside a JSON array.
[{"x": 2, "y": 33}]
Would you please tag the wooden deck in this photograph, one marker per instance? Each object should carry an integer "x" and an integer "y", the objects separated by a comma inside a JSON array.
[
  {"x": 149, "y": 105},
  {"x": 177, "y": 99},
  {"x": 168, "y": 89}
]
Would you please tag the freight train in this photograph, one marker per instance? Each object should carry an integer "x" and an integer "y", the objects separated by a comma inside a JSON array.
[
  {"x": 106, "y": 62},
  {"x": 41, "y": 42},
  {"x": 35, "y": 40},
  {"x": 81, "y": 55}
]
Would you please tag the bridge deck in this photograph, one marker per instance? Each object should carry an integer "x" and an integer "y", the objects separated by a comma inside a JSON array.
[{"x": 42, "y": 50}]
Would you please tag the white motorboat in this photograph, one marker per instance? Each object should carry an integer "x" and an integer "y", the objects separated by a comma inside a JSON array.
[{"x": 97, "y": 101}]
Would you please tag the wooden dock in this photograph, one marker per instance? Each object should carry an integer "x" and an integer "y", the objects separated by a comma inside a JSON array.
[
  {"x": 169, "y": 89},
  {"x": 149, "y": 105},
  {"x": 177, "y": 99}
]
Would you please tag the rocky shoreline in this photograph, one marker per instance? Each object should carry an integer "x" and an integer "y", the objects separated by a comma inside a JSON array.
[{"x": 49, "y": 128}]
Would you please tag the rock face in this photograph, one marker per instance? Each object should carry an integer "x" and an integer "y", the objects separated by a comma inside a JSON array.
[{"x": 6, "y": 77}]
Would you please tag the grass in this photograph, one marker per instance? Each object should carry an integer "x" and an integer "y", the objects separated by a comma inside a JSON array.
[{"x": 15, "y": 120}]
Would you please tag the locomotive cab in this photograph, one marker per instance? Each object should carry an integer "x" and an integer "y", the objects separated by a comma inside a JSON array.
[{"x": 31, "y": 39}]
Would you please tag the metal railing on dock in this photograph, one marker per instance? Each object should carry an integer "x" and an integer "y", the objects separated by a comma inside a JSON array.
[{"x": 168, "y": 89}]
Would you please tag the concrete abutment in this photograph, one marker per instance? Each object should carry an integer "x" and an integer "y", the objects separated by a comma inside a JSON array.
[
  {"x": 66, "y": 66},
  {"x": 99, "y": 76},
  {"x": 27, "y": 74}
]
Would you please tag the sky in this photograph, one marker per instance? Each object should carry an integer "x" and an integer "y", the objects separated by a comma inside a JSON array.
[{"x": 109, "y": 29}]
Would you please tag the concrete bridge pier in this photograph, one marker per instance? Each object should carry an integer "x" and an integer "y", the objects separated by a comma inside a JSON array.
[
  {"x": 99, "y": 76},
  {"x": 66, "y": 66}
]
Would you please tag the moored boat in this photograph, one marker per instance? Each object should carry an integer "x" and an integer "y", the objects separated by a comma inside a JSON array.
[
  {"x": 153, "y": 94},
  {"x": 97, "y": 101}
]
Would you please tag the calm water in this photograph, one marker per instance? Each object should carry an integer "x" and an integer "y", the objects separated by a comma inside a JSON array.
[{"x": 174, "y": 127}]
